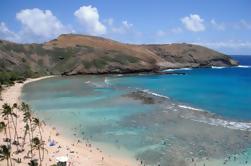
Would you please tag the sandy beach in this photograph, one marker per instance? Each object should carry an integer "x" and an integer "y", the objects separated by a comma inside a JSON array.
[{"x": 78, "y": 152}]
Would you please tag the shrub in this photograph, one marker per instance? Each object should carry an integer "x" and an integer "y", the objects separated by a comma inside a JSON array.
[
  {"x": 99, "y": 63},
  {"x": 87, "y": 64}
]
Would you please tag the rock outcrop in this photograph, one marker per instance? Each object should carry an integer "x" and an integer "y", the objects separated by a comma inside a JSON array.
[{"x": 71, "y": 54}]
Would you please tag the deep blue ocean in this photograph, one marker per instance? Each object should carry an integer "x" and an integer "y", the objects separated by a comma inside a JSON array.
[
  {"x": 165, "y": 119},
  {"x": 224, "y": 91}
]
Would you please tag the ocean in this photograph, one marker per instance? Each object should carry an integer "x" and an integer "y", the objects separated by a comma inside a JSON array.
[{"x": 201, "y": 117}]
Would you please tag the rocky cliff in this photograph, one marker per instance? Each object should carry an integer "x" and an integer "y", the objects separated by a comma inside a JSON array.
[{"x": 79, "y": 54}]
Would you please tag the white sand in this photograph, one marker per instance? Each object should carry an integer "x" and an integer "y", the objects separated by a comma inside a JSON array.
[{"x": 78, "y": 153}]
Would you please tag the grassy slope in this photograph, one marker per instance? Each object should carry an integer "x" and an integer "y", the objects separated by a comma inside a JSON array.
[{"x": 79, "y": 54}]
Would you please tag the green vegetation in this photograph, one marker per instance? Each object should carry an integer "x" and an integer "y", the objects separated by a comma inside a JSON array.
[
  {"x": 60, "y": 54},
  {"x": 1, "y": 89},
  {"x": 85, "y": 49},
  {"x": 8, "y": 78},
  {"x": 5, "y": 154},
  {"x": 87, "y": 64},
  {"x": 63, "y": 58},
  {"x": 13, "y": 47},
  {"x": 33, "y": 162},
  {"x": 38, "y": 49},
  {"x": 32, "y": 125},
  {"x": 120, "y": 58},
  {"x": 98, "y": 63},
  {"x": 40, "y": 62},
  {"x": 39, "y": 59},
  {"x": 101, "y": 62}
]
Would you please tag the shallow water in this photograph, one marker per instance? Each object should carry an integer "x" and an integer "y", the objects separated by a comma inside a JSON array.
[{"x": 166, "y": 119}]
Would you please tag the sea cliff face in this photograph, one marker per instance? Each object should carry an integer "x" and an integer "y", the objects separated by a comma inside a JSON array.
[{"x": 79, "y": 54}]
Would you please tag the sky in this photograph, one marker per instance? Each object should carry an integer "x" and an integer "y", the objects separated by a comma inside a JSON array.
[{"x": 224, "y": 25}]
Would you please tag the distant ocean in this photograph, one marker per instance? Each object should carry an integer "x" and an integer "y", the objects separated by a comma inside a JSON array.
[{"x": 160, "y": 119}]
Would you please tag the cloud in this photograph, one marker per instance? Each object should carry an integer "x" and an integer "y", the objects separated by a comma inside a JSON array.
[
  {"x": 109, "y": 21},
  {"x": 193, "y": 23},
  {"x": 176, "y": 30},
  {"x": 161, "y": 33},
  {"x": 217, "y": 26},
  {"x": 231, "y": 44},
  {"x": 4, "y": 30},
  {"x": 43, "y": 23},
  {"x": 127, "y": 25},
  {"x": 6, "y": 33},
  {"x": 123, "y": 31},
  {"x": 88, "y": 16},
  {"x": 123, "y": 27},
  {"x": 245, "y": 24}
]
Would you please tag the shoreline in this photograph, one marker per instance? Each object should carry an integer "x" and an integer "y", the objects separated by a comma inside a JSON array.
[{"x": 78, "y": 152}]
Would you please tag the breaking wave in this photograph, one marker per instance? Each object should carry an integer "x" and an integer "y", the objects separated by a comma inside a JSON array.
[
  {"x": 224, "y": 123},
  {"x": 200, "y": 115},
  {"x": 177, "y": 69},
  {"x": 208, "y": 118},
  {"x": 188, "y": 107},
  {"x": 154, "y": 94},
  {"x": 104, "y": 84},
  {"x": 244, "y": 66},
  {"x": 217, "y": 67}
]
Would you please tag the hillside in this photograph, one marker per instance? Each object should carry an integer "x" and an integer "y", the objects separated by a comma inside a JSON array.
[{"x": 79, "y": 54}]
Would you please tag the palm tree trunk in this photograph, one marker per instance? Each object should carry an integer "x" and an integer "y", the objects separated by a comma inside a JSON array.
[
  {"x": 9, "y": 130},
  {"x": 31, "y": 138},
  {"x": 14, "y": 126},
  {"x": 15, "y": 132},
  {"x": 30, "y": 143},
  {"x": 7, "y": 159},
  {"x": 41, "y": 139},
  {"x": 24, "y": 138},
  {"x": 5, "y": 132},
  {"x": 39, "y": 153},
  {"x": 10, "y": 161}
]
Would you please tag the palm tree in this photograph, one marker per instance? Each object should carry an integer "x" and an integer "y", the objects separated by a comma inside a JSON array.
[
  {"x": 37, "y": 144},
  {"x": 9, "y": 111},
  {"x": 15, "y": 137},
  {"x": 6, "y": 114},
  {"x": 15, "y": 107},
  {"x": 1, "y": 89},
  {"x": 5, "y": 154},
  {"x": 3, "y": 126},
  {"x": 26, "y": 131},
  {"x": 28, "y": 120},
  {"x": 37, "y": 123},
  {"x": 33, "y": 163}
]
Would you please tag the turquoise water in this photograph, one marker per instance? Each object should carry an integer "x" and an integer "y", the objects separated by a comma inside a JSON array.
[
  {"x": 166, "y": 119},
  {"x": 226, "y": 92}
]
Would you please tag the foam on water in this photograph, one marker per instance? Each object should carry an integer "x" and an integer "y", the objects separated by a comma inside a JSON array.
[
  {"x": 223, "y": 123},
  {"x": 189, "y": 107},
  {"x": 244, "y": 66},
  {"x": 154, "y": 94},
  {"x": 205, "y": 118},
  {"x": 217, "y": 67},
  {"x": 178, "y": 69},
  {"x": 104, "y": 84},
  {"x": 107, "y": 81}
]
